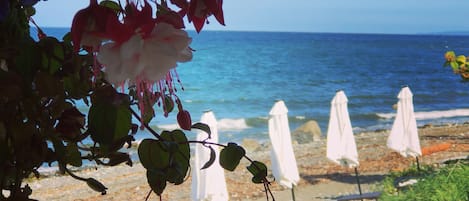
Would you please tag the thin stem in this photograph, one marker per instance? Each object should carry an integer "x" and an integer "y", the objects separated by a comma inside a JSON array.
[
  {"x": 73, "y": 175},
  {"x": 266, "y": 195},
  {"x": 148, "y": 195},
  {"x": 153, "y": 132},
  {"x": 18, "y": 181},
  {"x": 203, "y": 142}
]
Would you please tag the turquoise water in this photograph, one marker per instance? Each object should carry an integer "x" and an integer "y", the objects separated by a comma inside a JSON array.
[{"x": 239, "y": 75}]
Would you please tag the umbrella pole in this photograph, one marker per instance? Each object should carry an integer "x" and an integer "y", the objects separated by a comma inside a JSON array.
[
  {"x": 293, "y": 192},
  {"x": 358, "y": 181},
  {"x": 418, "y": 164}
]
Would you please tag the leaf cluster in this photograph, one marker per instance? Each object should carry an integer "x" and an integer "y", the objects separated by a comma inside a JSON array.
[
  {"x": 167, "y": 158},
  {"x": 459, "y": 64},
  {"x": 41, "y": 83}
]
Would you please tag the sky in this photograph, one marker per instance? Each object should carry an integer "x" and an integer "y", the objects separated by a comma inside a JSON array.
[{"x": 337, "y": 16}]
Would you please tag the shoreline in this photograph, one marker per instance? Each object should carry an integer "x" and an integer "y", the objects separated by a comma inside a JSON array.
[{"x": 320, "y": 178}]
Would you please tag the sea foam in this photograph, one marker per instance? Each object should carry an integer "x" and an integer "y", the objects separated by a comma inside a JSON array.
[
  {"x": 437, "y": 114},
  {"x": 232, "y": 124}
]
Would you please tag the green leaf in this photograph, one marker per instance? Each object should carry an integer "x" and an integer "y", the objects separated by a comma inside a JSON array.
[
  {"x": 96, "y": 185},
  {"x": 258, "y": 170},
  {"x": 48, "y": 86},
  {"x": 27, "y": 60},
  {"x": 118, "y": 158},
  {"x": 53, "y": 54},
  {"x": 59, "y": 148},
  {"x": 23, "y": 133},
  {"x": 180, "y": 138},
  {"x": 172, "y": 147},
  {"x": 73, "y": 155},
  {"x": 29, "y": 11},
  {"x": 109, "y": 118},
  {"x": 10, "y": 86},
  {"x": 57, "y": 106},
  {"x": 153, "y": 154},
  {"x": 446, "y": 64},
  {"x": 123, "y": 122},
  {"x": 231, "y": 155},
  {"x": 179, "y": 157},
  {"x": 67, "y": 38},
  {"x": 75, "y": 87},
  {"x": 156, "y": 180},
  {"x": 211, "y": 160},
  {"x": 168, "y": 104},
  {"x": 454, "y": 66},
  {"x": 148, "y": 103},
  {"x": 203, "y": 127},
  {"x": 175, "y": 174},
  {"x": 461, "y": 59},
  {"x": 111, "y": 4}
]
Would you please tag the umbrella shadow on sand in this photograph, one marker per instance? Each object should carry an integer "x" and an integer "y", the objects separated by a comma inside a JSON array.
[
  {"x": 347, "y": 178},
  {"x": 336, "y": 191}
]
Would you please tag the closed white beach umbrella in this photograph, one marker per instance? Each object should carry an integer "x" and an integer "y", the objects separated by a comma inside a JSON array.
[
  {"x": 404, "y": 134},
  {"x": 208, "y": 184},
  {"x": 341, "y": 147},
  {"x": 284, "y": 166}
]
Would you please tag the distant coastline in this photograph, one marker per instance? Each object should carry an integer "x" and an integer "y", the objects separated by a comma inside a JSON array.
[
  {"x": 447, "y": 33},
  {"x": 451, "y": 33}
]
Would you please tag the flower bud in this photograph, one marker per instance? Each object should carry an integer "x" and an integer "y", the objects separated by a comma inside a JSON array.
[
  {"x": 184, "y": 120},
  {"x": 96, "y": 185}
]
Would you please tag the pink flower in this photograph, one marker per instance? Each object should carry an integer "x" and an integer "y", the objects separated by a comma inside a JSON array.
[
  {"x": 90, "y": 25},
  {"x": 163, "y": 49},
  {"x": 149, "y": 58},
  {"x": 134, "y": 47},
  {"x": 199, "y": 10},
  {"x": 146, "y": 62},
  {"x": 183, "y": 4}
]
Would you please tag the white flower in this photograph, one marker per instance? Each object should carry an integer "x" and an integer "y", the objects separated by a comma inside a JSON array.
[
  {"x": 122, "y": 61},
  {"x": 163, "y": 49},
  {"x": 149, "y": 58}
]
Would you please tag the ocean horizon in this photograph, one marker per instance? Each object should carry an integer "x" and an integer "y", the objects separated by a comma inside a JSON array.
[{"x": 239, "y": 75}]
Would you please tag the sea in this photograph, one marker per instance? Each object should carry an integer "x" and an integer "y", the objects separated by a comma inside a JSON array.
[{"x": 239, "y": 76}]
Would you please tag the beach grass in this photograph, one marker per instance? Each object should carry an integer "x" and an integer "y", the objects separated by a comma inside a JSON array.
[{"x": 450, "y": 182}]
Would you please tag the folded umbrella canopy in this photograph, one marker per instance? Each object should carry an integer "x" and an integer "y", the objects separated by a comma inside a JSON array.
[
  {"x": 208, "y": 184},
  {"x": 283, "y": 159},
  {"x": 341, "y": 147},
  {"x": 404, "y": 133}
]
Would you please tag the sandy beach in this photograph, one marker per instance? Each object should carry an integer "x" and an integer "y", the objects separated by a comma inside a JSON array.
[{"x": 320, "y": 178}]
